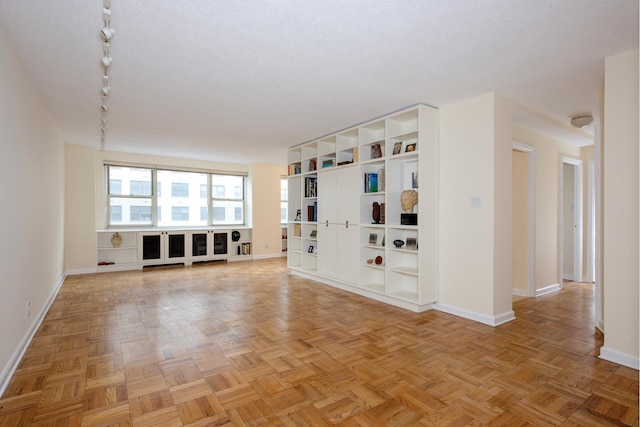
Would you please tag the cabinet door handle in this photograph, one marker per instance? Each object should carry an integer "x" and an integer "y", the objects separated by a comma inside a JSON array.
[
  {"x": 327, "y": 223},
  {"x": 347, "y": 224}
]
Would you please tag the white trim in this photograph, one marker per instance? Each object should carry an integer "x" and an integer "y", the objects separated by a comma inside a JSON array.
[
  {"x": 358, "y": 290},
  {"x": 81, "y": 271},
  {"x": 519, "y": 292},
  {"x": 619, "y": 357},
  {"x": 477, "y": 317},
  {"x": 531, "y": 214},
  {"x": 570, "y": 277},
  {"x": 591, "y": 271},
  {"x": 600, "y": 325},
  {"x": 577, "y": 216},
  {"x": 599, "y": 292},
  {"x": 548, "y": 289},
  {"x": 16, "y": 357},
  {"x": 267, "y": 256}
]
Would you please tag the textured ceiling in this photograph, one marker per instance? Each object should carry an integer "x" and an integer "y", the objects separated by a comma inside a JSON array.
[{"x": 242, "y": 80}]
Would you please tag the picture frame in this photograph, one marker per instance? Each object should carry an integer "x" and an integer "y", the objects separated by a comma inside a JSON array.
[
  {"x": 410, "y": 148},
  {"x": 376, "y": 151},
  {"x": 312, "y": 165},
  {"x": 373, "y": 238},
  {"x": 410, "y": 174},
  {"x": 397, "y": 148},
  {"x": 412, "y": 243},
  {"x": 314, "y": 233}
]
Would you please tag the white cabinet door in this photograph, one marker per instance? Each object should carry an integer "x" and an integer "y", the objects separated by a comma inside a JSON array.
[
  {"x": 339, "y": 196},
  {"x": 338, "y": 255},
  {"x": 327, "y": 250},
  {"x": 348, "y": 253},
  {"x": 348, "y": 195}
]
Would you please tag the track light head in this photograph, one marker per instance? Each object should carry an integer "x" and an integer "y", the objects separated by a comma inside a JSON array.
[{"x": 107, "y": 33}]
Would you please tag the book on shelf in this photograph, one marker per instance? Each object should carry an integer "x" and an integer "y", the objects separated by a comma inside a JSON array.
[
  {"x": 310, "y": 187},
  {"x": 312, "y": 212},
  {"x": 246, "y": 248},
  {"x": 327, "y": 163},
  {"x": 371, "y": 183},
  {"x": 295, "y": 169}
]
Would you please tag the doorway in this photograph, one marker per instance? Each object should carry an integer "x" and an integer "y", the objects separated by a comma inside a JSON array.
[
  {"x": 571, "y": 219},
  {"x": 524, "y": 219}
]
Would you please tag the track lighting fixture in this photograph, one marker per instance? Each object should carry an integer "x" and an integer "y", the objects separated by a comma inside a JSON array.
[{"x": 106, "y": 33}]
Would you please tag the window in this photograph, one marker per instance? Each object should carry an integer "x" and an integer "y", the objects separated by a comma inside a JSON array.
[
  {"x": 218, "y": 191},
  {"x": 129, "y": 194},
  {"x": 116, "y": 214},
  {"x": 115, "y": 186},
  {"x": 179, "y": 213},
  {"x": 140, "y": 187},
  {"x": 227, "y": 199},
  {"x": 135, "y": 197},
  {"x": 140, "y": 213},
  {"x": 218, "y": 214},
  {"x": 179, "y": 189},
  {"x": 284, "y": 200}
]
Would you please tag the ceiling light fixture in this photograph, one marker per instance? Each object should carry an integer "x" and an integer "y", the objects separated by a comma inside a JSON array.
[
  {"x": 581, "y": 120},
  {"x": 106, "y": 33}
]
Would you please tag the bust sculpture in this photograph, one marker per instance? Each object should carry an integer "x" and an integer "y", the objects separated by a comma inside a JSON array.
[{"x": 408, "y": 199}]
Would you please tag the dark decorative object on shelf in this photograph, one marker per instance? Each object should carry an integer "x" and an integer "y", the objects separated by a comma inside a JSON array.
[
  {"x": 298, "y": 215},
  {"x": 376, "y": 213},
  {"x": 235, "y": 235},
  {"x": 398, "y": 243},
  {"x": 378, "y": 260},
  {"x": 408, "y": 219}
]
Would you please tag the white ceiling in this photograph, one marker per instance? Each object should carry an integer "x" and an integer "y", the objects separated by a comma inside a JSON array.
[{"x": 242, "y": 80}]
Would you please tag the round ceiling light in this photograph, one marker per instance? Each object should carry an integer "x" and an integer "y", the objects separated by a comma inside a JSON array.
[{"x": 581, "y": 121}]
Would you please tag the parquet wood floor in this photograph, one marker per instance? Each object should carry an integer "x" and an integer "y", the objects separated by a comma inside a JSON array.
[{"x": 247, "y": 344}]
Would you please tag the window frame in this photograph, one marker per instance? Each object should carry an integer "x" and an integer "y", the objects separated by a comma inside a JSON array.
[{"x": 153, "y": 197}]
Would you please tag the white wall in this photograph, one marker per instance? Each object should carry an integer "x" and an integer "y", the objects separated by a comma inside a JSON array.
[
  {"x": 475, "y": 257},
  {"x": 621, "y": 211},
  {"x": 32, "y": 176},
  {"x": 267, "y": 229}
]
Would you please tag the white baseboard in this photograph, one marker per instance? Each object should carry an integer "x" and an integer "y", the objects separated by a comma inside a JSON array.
[
  {"x": 600, "y": 326},
  {"x": 81, "y": 271},
  {"x": 519, "y": 292},
  {"x": 568, "y": 277},
  {"x": 548, "y": 289},
  {"x": 619, "y": 357},
  {"x": 267, "y": 256},
  {"x": 16, "y": 357},
  {"x": 477, "y": 317}
]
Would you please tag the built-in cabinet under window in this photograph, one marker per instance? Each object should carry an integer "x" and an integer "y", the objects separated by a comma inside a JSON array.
[{"x": 135, "y": 249}]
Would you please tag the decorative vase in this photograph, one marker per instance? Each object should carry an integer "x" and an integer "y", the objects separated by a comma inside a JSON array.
[{"x": 116, "y": 240}]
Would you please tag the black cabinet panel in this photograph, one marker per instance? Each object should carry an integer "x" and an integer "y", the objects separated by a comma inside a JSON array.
[
  {"x": 151, "y": 247},
  {"x": 177, "y": 245}
]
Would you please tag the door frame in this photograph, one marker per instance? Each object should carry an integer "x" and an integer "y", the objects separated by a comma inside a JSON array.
[
  {"x": 577, "y": 218},
  {"x": 531, "y": 214}
]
